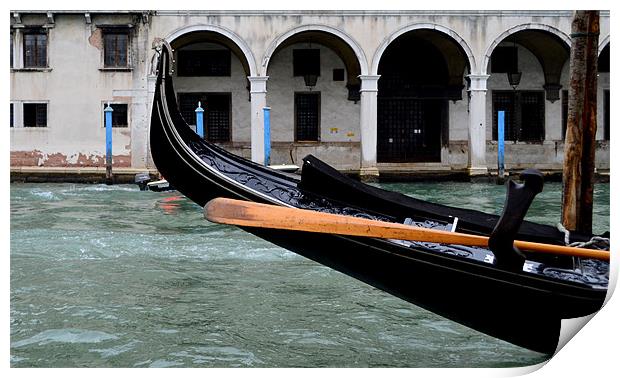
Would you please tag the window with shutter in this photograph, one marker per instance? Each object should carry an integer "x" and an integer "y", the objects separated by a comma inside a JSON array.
[
  {"x": 115, "y": 49},
  {"x": 35, "y": 49}
]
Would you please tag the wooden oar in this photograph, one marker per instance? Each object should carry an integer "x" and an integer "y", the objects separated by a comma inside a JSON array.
[{"x": 252, "y": 214}]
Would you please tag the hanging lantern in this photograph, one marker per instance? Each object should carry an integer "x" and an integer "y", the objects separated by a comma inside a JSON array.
[
  {"x": 514, "y": 76},
  {"x": 310, "y": 80}
]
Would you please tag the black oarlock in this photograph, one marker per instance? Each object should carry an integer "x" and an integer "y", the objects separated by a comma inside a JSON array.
[{"x": 519, "y": 197}]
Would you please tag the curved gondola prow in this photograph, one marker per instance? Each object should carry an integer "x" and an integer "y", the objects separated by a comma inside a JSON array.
[
  {"x": 165, "y": 96},
  {"x": 178, "y": 152},
  {"x": 523, "y": 308},
  {"x": 169, "y": 133}
]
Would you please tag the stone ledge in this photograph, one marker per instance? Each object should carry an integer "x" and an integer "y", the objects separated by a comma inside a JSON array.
[
  {"x": 89, "y": 175},
  {"x": 78, "y": 170},
  {"x": 413, "y": 167}
]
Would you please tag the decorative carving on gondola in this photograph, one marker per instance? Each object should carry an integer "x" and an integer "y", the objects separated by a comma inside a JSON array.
[
  {"x": 157, "y": 45},
  {"x": 306, "y": 200},
  {"x": 522, "y": 303}
]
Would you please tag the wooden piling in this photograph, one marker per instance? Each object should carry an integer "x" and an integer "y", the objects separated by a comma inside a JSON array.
[{"x": 579, "y": 147}]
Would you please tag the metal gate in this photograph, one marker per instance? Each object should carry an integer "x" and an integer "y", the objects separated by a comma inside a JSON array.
[{"x": 410, "y": 130}]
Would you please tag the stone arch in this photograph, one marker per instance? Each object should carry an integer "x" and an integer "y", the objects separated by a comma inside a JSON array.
[
  {"x": 602, "y": 44},
  {"x": 243, "y": 47},
  {"x": 471, "y": 60},
  {"x": 530, "y": 26},
  {"x": 348, "y": 40}
]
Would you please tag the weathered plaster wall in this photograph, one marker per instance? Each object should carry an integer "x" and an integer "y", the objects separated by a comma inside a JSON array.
[
  {"x": 339, "y": 118},
  {"x": 76, "y": 88}
]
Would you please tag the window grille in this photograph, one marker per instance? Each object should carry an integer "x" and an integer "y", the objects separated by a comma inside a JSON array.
[
  {"x": 532, "y": 127},
  {"x": 307, "y": 116},
  {"x": 524, "y": 115},
  {"x": 217, "y": 117},
  {"x": 504, "y": 101},
  {"x": 188, "y": 102}
]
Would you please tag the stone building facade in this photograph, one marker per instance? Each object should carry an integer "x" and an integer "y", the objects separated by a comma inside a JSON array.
[{"x": 402, "y": 91}]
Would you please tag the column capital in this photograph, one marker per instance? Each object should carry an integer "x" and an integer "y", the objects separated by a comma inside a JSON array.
[
  {"x": 258, "y": 84},
  {"x": 477, "y": 82},
  {"x": 370, "y": 83}
]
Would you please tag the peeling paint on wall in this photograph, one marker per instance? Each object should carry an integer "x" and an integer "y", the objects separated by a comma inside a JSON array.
[
  {"x": 96, "y": 39},
  {"x": 37, "y": 158},
  {"x": 77, "y": 83}
]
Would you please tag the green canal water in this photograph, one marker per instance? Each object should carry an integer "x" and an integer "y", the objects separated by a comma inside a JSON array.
[{"x": 108, "y": 276}]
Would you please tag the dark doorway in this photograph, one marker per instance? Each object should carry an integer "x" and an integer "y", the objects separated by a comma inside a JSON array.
[
  {"x": 414, "y": 89},
  {"x": 410, "y": 129}
]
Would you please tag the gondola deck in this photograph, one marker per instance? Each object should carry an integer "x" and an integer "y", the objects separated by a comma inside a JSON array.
[{"x": 524, "y": 307}]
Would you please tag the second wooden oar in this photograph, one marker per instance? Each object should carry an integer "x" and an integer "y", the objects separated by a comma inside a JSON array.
[{"x": 252, "y": 214}]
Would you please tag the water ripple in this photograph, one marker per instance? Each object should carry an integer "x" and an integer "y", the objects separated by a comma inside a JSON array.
[
  {"x": 108, "y": 276},
  {"x": 68, "y": 335}
]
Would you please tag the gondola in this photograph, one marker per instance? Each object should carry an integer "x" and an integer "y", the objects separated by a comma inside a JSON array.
[{"x": 521, "y": 303}]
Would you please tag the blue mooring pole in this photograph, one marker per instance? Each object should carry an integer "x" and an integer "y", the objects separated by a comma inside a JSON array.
[
  {"x": 108, "y": 143},
  {"x": 500, "y": 147},
  {"x": 267, "y": 121},
  {"x": 200, "y": 128}
]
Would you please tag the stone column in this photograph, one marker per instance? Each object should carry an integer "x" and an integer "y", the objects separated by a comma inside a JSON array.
[
  {"x": 368, "y": 126},
  {"x": 151, "y": 79},
  {"x": 477, "y": 164},
  {"x": 258, "y": 100},
  {"x": 18, "y": 44},
  {"x": 141, "y": 107}
]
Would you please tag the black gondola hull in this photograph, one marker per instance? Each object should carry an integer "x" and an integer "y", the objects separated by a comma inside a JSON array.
[{"x": 521, "y": 308}]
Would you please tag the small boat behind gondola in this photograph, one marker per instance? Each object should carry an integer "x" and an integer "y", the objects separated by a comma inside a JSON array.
[
  {"x": 498, "y": 291},
  {"x": 144, "y": 182}
]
